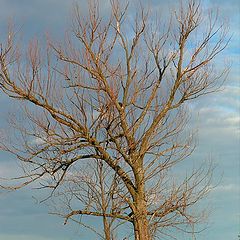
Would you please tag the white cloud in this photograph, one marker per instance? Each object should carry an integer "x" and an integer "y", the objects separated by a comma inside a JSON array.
[
  {"x": 38, "y": 141},
  {"x": 219, "y": 117},
  {"x": 232, "y": 90},
  {"x": 233, "y": 121},
  {"x": 227, "y": 188}
]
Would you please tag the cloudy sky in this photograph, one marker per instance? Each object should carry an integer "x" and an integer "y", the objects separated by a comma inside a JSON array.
[{"x": 216, "y": 116}]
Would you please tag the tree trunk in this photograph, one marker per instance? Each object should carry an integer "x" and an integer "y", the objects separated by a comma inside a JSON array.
[
  {"x": 140, "y": 222},
  {"x": 107, "y": 230},
  {"x": 141, "y": 229}
]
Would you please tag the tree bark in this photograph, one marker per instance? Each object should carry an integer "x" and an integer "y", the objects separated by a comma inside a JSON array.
[
  {"x": 140, "y": 222},
  {"x": 107, "y": 230},
  {"x": 141, "y": 230}
]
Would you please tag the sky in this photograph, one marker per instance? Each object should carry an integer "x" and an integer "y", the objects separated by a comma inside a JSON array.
[{"x": 217, "y": 118}]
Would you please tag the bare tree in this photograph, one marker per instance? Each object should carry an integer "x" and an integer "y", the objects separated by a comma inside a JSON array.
[{"x": 114, "y": 96}]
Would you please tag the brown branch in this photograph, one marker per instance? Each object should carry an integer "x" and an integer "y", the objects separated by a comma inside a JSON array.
[{"x": 97, "y": 214}]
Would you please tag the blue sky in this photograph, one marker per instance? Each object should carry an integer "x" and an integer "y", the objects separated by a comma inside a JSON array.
[{"x": 216, "y": 116}]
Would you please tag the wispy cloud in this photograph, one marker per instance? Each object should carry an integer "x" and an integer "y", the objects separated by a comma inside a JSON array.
[{"x": 227, "y": 188}]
